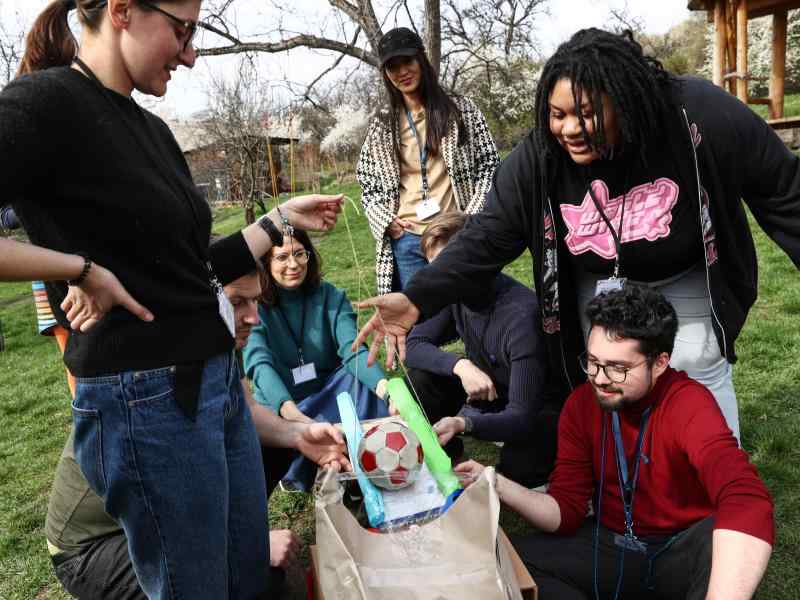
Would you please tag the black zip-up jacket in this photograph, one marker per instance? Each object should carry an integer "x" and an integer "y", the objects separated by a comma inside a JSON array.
[{"x": 724, "y": 150}]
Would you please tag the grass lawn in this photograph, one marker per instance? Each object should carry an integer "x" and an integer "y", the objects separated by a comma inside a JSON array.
[
  {"x": 791, "y": 106},
  {"x": 35, "y": 415}
]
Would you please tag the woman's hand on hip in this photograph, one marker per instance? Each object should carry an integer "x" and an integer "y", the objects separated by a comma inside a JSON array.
[{"x": 86, "y": 304}]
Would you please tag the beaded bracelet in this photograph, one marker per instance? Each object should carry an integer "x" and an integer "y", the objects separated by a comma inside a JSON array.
[{"x": 87, "y": 266}]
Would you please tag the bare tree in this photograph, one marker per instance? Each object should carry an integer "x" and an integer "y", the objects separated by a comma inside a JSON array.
[
  {"x": 352, "y": 29},
  {"x": 236, "y": 129},
  {"x": 11, "y": 50}
]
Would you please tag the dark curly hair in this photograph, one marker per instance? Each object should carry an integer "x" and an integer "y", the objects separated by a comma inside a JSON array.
[
  {"x": 270, "y": 291},
  {"x": 637, "y": 313},
  {"x": 598, "y": 62}
]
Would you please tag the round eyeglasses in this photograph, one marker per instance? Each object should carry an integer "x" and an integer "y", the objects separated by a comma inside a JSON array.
[
  {"x": 614, "y": 373},
  {"x": 300, "y": 257}
]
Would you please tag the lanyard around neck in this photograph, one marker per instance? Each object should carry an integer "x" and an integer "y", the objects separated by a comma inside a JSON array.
[
  {"x": 627, "y": 484},
  {"x": 298, "y": 340},
  {"x": 615, "y": 235},
  {"x": 423, "y": 155}
]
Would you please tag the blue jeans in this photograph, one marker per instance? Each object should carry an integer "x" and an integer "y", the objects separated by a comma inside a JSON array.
[
  {"x": 322, "y": 406},
  {"x": 188, "y": 493},
  {"x": 408, "y": 258}
]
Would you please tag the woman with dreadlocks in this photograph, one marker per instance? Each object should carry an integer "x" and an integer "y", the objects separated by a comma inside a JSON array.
[
  {"x": 427, "y": 154},
  {"x": 631, "y": 176}
]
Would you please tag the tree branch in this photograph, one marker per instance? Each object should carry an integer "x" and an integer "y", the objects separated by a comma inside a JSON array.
[{"x": 302, "y": 40}]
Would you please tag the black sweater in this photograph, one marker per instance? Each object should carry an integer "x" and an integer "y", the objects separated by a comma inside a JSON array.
[
  {"x": 93, "y": 172},
  {"x": 726, "y": 151}
]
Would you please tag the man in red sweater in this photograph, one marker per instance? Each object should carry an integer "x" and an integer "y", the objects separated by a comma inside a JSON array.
[{"x": 679, "y": 510}]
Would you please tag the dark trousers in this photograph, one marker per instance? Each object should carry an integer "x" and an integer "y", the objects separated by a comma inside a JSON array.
[
  {"x": 562, "y": 566},
  {"x": 102, "y": 570},
  {"x": 527, "y": 462}
]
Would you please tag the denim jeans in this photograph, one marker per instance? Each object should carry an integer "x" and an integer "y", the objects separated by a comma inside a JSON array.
[
  {"x": 188, "y": 493},
  {"x": 408, "y": 258},
  {"x": 696, "y": 349}
]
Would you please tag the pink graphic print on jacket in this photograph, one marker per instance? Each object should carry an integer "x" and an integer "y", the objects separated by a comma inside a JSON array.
[{"x": 647, "y": 216}]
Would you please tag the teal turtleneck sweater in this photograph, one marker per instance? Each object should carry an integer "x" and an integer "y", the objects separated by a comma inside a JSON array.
[{"x": 324, "y": 323}]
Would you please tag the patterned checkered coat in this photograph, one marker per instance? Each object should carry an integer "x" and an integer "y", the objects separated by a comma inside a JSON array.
[{"x": 470, "y": 167}]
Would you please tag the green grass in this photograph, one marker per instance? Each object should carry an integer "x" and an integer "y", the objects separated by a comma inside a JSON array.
[
  {"x": 791, "y": 106},
  {"x": 35, "y": 415}
]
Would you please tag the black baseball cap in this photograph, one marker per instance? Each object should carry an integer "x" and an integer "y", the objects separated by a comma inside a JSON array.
[{"x": 400, "y": 41}]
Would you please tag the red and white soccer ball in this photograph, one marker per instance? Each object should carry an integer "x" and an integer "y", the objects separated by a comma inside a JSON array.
[{"x": 389, "y": 454}]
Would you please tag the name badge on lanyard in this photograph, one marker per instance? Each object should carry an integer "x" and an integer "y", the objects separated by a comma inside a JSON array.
[
  {"x": 612, "y": 284},
  {"x": 223, "y": 304},
  {"x": 615, "y": 282},
  {"x": 305, "y": 372},
  {"x": 428, "y": 206}
]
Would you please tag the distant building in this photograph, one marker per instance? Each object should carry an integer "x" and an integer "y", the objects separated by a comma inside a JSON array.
[{"x": 219, "y": 168}]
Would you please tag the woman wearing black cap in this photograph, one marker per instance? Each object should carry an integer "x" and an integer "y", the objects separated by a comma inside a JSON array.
[{"x": 425, "y": 154}]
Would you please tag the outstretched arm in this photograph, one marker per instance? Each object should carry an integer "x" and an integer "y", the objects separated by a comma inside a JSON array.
[
  {"x": 541, "y": 510},
  {"x": 738, "y": 562},
  {"x": 321, "y": 443},
  {"x": 315, "y": 212}
]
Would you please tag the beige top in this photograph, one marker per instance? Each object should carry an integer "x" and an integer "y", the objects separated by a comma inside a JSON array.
[{"x": 439, "y": 187}]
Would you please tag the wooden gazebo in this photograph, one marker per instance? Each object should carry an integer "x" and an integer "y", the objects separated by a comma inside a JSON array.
[{"x": 730, "y": 49}]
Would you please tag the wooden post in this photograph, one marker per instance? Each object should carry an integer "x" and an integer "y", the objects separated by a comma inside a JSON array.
[
  {"x": 741, "y": 51},
  {"x": 777, "y": 76},
  {"x": 720, "y": 39},
  {"x": 730, "y": 31}
]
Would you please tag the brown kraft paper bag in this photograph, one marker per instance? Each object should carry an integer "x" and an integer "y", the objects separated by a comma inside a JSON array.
[{"x": 454, "y": 557}]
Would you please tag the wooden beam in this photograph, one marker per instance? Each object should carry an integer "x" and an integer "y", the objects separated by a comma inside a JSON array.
[
  {"x": 762, "y": 8},
  {"x": 778, "y": 73},
  {"x": 784, "y": 123},
  {"x": 767, "y": 101},
  {"x": 741, "y": 49},
  {"x": 720, "y": 41}
]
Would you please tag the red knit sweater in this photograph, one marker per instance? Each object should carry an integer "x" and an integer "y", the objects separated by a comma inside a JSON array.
[{"x": 694, "y": 468}]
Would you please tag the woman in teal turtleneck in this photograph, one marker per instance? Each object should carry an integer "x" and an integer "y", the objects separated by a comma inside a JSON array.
[{"x": 298, "y": 356}]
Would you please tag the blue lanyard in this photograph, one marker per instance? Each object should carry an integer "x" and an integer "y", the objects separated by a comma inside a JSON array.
[
  {"x": 627, "y": 485},
  {"x": 423, "y": 155}
]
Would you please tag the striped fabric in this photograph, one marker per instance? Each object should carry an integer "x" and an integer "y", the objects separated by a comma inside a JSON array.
[{"x": 44, "y": 315}]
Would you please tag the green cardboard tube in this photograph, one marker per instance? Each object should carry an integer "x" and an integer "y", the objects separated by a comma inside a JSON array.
[{"x": 437, "y": 460}]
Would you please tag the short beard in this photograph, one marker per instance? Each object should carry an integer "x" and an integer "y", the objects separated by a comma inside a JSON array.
[{"x": 619, "y": 402}]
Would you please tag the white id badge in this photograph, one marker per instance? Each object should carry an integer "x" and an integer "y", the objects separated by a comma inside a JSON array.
[
  {"x": 427, "y": 208},
  {"x": 611, "y": 284},
  {"x": 303, "y": 373},
  {"x": 226, "y": 312}
]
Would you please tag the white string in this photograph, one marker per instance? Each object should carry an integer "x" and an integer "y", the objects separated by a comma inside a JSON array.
[{"x": 386, "y": 340}]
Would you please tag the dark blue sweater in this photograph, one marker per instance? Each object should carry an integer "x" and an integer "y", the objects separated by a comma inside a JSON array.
[{"x": 503, "y": 340}]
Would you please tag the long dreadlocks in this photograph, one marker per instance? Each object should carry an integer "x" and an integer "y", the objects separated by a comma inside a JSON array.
[{"x": 598, "y": 62}]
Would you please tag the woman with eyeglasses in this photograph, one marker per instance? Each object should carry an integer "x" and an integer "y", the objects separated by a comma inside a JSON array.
[
  {"x": 299, "y": 356},
  {"x": 121, "y": 235},
  {"x": 427, "y": 153}
]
